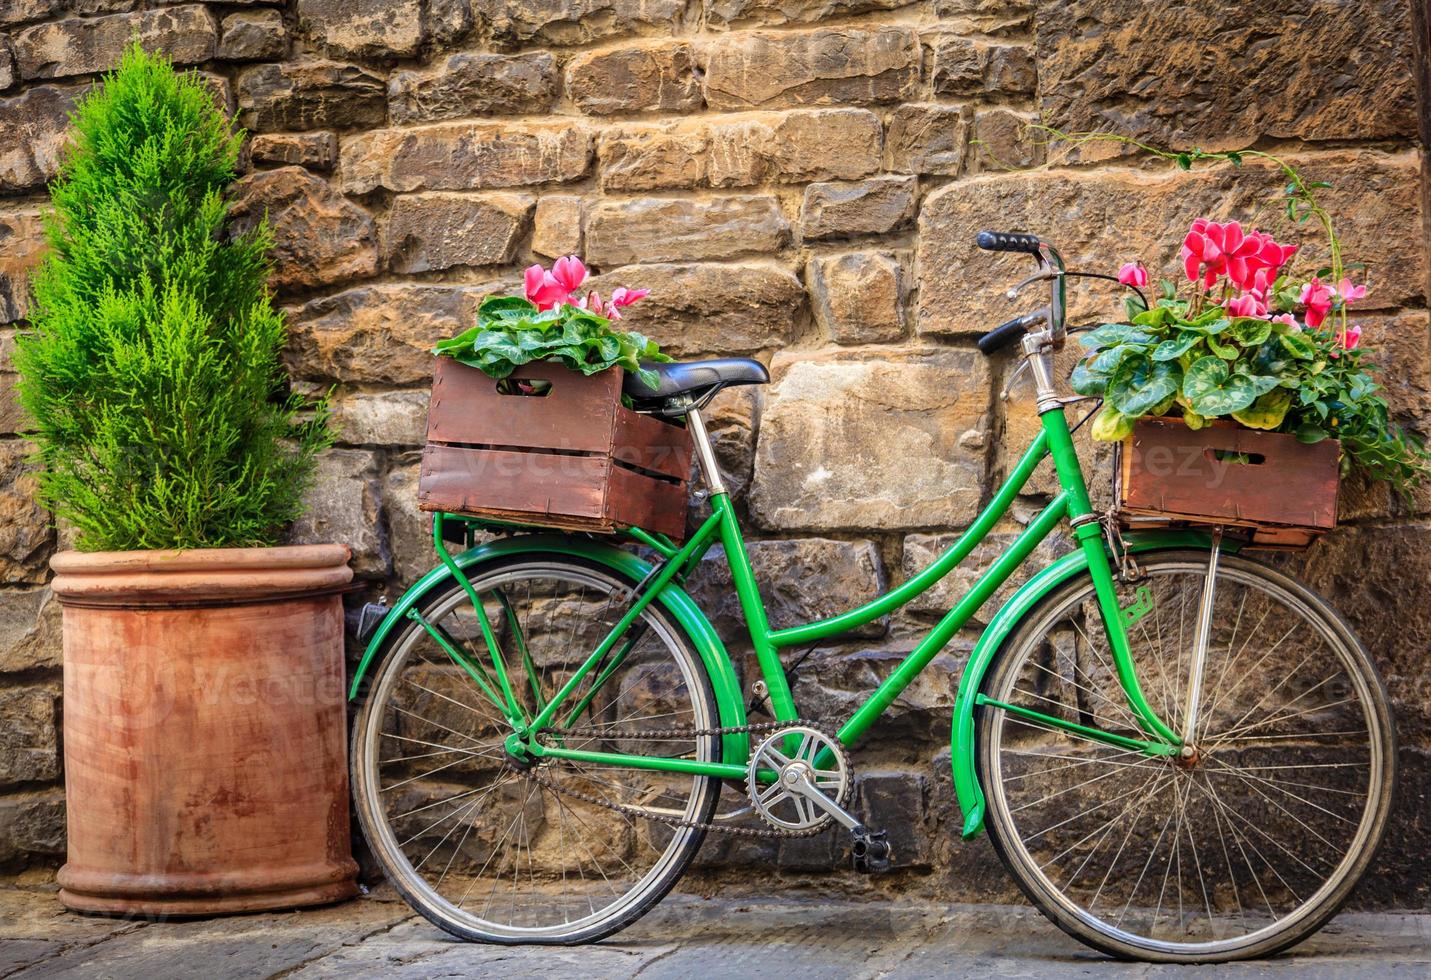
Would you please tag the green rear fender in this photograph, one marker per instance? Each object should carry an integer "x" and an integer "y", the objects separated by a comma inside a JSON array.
[
  {"x": 735, "y": 748},
  {"x": 961, "y": 741}
]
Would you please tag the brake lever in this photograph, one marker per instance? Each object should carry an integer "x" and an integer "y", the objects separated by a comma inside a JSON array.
[
  {"x": 1013, "y": 379},
  {"x": 1013, "y": 291}
]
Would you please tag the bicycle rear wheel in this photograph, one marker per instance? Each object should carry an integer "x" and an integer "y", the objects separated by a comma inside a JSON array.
[
  {"x": 495, "y": 849},
  {"x": 1240, "y": 851}
]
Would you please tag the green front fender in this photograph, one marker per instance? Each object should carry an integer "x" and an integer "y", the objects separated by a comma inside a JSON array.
[
  {"x": 961, "y": 741},
  {"x": 735, "y": 748}
]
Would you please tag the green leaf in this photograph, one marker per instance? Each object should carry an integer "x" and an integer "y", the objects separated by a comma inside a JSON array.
[
  {"x": 1110, "y": 334},
  {"x": 1085, "y": 381},
  {"x": 1193, "y": 419},
  {"x": 1212, "y": 389},
  {"x": 1298, "y": 346},
  {"x": 1111, "y": 425},
  {"x": 1233, "y": 158},
  {"x": 1105, "y": 361},
  {"x": 1310, "y": 432},
  {"x": 1249, "y": 331},
  {"x": 1267, "y": 412},
  {"x": 1139, "y": 384},
  {"x": 1185, "y": 161},
  {"x": 494, "y": 305},
  {"x": 1171, "y": 350},
  {"x": 1156, "y": 317},
  {"x": 1225, "y": 351}
]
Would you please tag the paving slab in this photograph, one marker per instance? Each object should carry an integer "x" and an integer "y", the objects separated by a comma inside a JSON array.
[{"x": 805, "y": 936}]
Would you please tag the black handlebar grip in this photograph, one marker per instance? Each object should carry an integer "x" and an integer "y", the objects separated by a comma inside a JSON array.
[
  {"x": 1007, "y": 241},
  {"x": 1003, "y": 335}
]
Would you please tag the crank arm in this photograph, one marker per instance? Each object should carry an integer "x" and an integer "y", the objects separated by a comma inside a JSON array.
[{"x": 807, "y": 789}]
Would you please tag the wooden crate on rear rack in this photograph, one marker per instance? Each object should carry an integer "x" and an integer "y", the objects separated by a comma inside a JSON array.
[
  {"x": 1267, "y": 486},
  {"x": 572, "y": 458}
]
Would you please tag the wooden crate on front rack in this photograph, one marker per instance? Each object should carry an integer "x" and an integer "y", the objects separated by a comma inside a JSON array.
[
  {"x": 1268, "y": 487},
  {"x": 573, "y": 457}
]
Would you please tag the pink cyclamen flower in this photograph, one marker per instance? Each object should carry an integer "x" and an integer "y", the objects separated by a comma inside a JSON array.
[
  {"x": 1288, "y": 319},
  {"x": 621, "y": 296},
  {"x": 569, "y": 272},
  {"x": 1249, "y": 260},
  {"x": 1317, "y": 298},
  {"x": 1248, "y": 304},
  {"x": 1133, "y": 274},
  {"x": 1352, "y": 337},
  {"x": 1348, "y": 293},
  {"x": 542, "y": 289}
]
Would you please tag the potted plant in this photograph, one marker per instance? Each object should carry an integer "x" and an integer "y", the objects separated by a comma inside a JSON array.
[
  {"x": 1263, "y": 361},
  {"x": 203, "y": 717},
  {"x": 528, "y": 423}
]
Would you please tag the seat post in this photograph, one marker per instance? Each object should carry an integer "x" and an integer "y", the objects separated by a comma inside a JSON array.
[{"x": 704, "y": 452}]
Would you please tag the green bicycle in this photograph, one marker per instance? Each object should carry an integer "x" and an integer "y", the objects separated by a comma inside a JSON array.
[{"x": 1180, "y": 754}]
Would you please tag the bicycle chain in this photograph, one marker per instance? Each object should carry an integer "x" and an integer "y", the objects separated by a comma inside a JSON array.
[{"x": 710, "y": 826}]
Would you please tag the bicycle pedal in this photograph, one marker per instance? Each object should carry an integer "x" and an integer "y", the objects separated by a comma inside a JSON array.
[{"x": 871, "y": 854}]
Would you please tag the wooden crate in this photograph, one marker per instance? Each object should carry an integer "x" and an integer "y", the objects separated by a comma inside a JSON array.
[
  {"x": 1281, "y": 492},
  {"x": 574, "y": 458}
]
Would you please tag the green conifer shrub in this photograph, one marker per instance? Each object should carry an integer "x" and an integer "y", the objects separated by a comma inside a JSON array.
[{"x": 152, "y": 376}]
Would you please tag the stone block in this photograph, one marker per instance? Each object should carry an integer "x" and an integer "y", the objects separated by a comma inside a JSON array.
[
  {"x": 426, "y": 232},
  {"x": 381, "y": 418},
  {"x": 9, "y": 71},
  {"x": 409, "y": 529},
  {"x": 363, "y": 28},
  {"x": 867, "y": 207},
  {"x": 742, "y": 13},
  {"x": 857, "y": 297},
  {"x": 29, "y": 739},
  {"x": 22, "y": 244},
  {"x": 963, "y": 66},
  {"x": 652, "y": 77},
  {"x": 298, "y": 95},
  {"x": 928, "y": 139},
  {"x": 320, "y": 237},
  {"x": 464, "y": 156},
  {"x": 314, "y": 151},
  {"x": 19, "y": 11},
  {"x": 469, "y": 84},
  {"x": 32, "y": 825},
  {"x": 83, "y": 46},
  {"x": 1002, "y": 141},
  {"x": 26, "y": 539},
  {"x": 380, "y": 334},
  {"x": 1125, "y": 214},
  {"x": 445, "y": 21},
  {"x": 557, "y": 225},
  {"x": 800, "y": 581},
  {"x": 832, "y": 683},
  {"x": 252, "y": 35},
  {"x": 992, "y": 17},
  {"x": 662, "y": 230},
  {"x": 754, "y": 69},
  {"x": 1265, "y": 76},
  {"x": 741, "y": 150},
  {"x": 897, "y": 802},
  {"x": 712, "y": 309},
  {"x": 344, "y": 507},
  {"x": 33, "y": 132},
  {"x": 572, "y": 22},
  {"x": 29, "y": 630},
  {"x": 857, "y": 441},
  {"x": 731, "y": 420}
]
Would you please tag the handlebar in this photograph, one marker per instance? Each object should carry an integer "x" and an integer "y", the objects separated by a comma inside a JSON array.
[{"x": 1050, "y": 267}]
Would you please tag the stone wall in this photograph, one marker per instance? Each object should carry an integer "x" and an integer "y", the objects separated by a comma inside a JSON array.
[{"x": 798, "y": 180}]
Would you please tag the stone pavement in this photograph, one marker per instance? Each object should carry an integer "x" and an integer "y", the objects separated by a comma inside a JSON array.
[{"x": 802, "y": 936}]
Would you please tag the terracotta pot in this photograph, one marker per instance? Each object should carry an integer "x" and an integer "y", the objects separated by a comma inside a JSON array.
[{"x": 205, "y": 764}]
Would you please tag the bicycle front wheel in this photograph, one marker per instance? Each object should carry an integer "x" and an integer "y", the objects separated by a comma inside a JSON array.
[
  {"x": 497, "y": 849},
  {"x": 1241, "y": 850}
]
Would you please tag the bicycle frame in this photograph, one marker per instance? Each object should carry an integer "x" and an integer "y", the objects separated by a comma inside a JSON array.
[{"x": 1071, "y": 504}]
